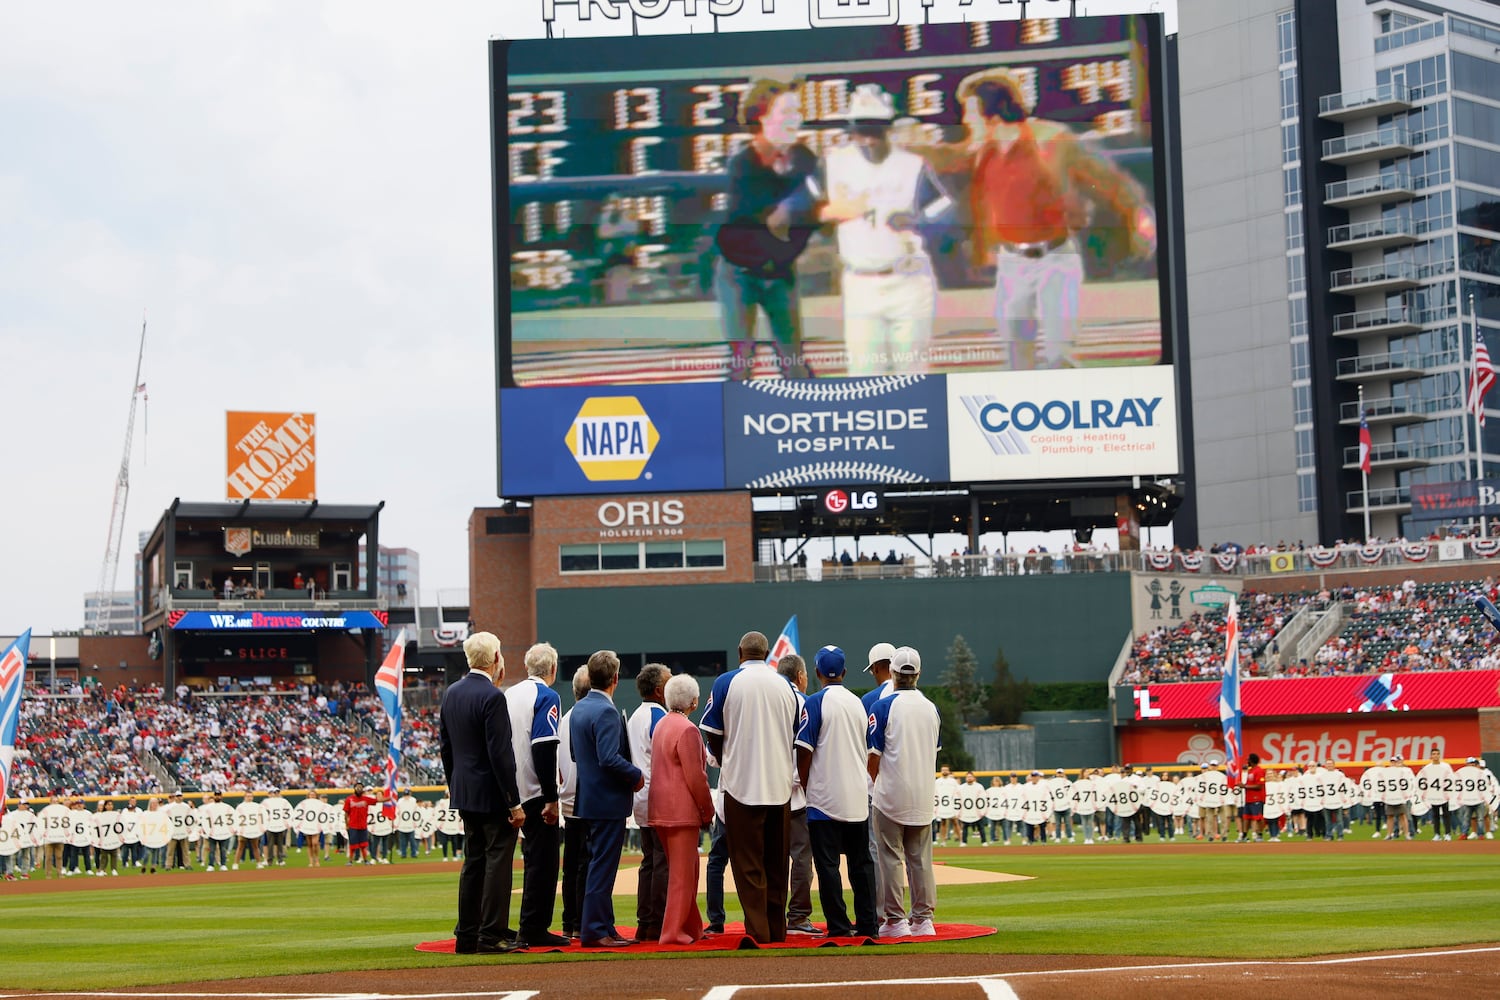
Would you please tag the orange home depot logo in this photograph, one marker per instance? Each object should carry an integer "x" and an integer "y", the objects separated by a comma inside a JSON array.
[
  {"x": 237, "y": 541},
  {"x": 271, "y": 456}
]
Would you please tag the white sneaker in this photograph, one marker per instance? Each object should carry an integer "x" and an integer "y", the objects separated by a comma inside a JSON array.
[
  {"x": 235, "y": 866},
  {"x": 923, "y": 928},
  {"x": 260, "y": 864},
  {"x": 1088, "y": 840},
  {"x": 895, "y": 929},
  {"x": 1375, "y": 835},
  {"x": 1489, "y": 836},
  {"x": 1447, "y": 836},
  {"x": 1473, "y": 836},
  {"x": 1274, "y": 840},
  {"x": 1437, "y": 836},
  {"x": 116, "y": 874},
  {"x": 385, "y": 861}
]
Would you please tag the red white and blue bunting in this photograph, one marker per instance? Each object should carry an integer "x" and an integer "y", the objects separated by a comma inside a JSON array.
[
  {"x": 1191, "y": 561},
  {"x": 1226, "y": 561},
  {"x": 1370, "y": 554},
  {"x": 1485, "y": 548},
  {"x": 1323, "y": 558},
  {"x": 1416, "y": 551}
]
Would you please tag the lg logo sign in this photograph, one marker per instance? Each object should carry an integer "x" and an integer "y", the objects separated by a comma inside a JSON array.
[{"x": 837, "y": 501}]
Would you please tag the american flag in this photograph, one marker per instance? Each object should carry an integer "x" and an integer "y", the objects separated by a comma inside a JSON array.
[
  {"x": 1482, "y": 377},
  {"x": 1364, "y": 444},
  {"x": 1230, "y": 713},
  {"x": 12, "y": 676},
  {"x": 388, "y": 682}
]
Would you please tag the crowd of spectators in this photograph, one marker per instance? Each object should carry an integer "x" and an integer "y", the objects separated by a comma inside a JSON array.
[
  {"x": 93, "y": 740},
  {"x": 1194, "y": 649},
  {"x": 1404, "y": 628}
]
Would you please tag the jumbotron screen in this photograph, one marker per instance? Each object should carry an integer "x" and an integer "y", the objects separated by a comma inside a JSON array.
[{"x": 833, "y": 203}]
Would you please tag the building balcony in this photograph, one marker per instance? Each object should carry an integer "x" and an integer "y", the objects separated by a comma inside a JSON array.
[
  {"x": 1383, "y": 278},
  {"x": 1386, "y": 99},
  {"x": 1377, "y": 189},
  {"x": 1380, "y": 144},
  {"x": 1377, "y": 234},
  {"x": 1392, "y": 364},
  {"x": 1390, "y": 500},
  {"x": 1384, "y": 322},
  {"x": 1402, "y": 455},
  {"x": 1390, "y": 410}
]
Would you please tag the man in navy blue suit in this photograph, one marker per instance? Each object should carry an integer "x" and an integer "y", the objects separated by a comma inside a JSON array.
[
  {"x": 480, "y": 768},
  {"x": 606, "y": 784}
]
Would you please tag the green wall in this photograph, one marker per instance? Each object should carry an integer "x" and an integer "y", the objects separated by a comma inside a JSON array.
[{"x": 1053, "y": 628}]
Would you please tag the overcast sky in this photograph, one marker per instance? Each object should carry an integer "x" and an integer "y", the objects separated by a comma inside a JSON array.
[{"x": 297, "y": 198}]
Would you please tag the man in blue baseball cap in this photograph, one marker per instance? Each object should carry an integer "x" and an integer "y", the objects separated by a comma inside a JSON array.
[{"x": 831, "y": 756}]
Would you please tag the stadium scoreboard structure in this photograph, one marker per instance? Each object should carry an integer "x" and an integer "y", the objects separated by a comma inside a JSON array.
[{"x": 617, "y": 367}]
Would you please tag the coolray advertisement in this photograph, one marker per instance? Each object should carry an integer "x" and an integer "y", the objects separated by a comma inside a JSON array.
[
  {"x": 253, "y": 620},
  {"x": 780, "y": 433},
  {"x": 1062, "y": 424},
  {"x": 627, "y": 439},
  {"x": 827, "y": 202},
  {"x": 1362, "y": 740},
  {"x": 1435, "y": 691}
]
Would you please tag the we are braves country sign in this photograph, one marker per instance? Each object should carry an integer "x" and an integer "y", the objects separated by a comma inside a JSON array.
[{"x": 271, "y": 456}]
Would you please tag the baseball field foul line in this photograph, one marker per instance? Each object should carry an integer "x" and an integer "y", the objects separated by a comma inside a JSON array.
[{"x": 996, "y": 987}]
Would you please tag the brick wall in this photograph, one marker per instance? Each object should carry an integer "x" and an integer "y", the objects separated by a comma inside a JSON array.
[
  {"x": 704, "y": 516},
  {"x": 501, "y": 593},
  {"x": 507, "y": 567}
]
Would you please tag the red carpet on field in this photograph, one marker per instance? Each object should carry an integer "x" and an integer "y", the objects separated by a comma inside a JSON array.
[{"x": 735, "y": 939}]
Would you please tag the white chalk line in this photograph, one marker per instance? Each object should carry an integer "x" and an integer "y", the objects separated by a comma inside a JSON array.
[{"x": 726, "y": 992}]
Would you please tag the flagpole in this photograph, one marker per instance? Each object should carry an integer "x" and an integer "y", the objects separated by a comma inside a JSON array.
[
  {"x": 1364, "y": 477},
  {"x": 1478, "y": 422}
]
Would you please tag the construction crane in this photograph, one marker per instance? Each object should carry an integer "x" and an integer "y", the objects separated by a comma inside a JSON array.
[{"x": 111, "y": 568}]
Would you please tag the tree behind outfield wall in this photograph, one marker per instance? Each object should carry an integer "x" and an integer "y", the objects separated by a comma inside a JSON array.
[
  {"x": 950, "y": 731},
  {"x": 963, "y": 680},
  {"x": 1007, "y": 696}
]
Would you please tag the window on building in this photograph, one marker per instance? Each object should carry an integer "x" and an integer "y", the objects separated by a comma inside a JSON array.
[
  {"x": 1296, "y": 273},
  {"x": 1294, "y": 229},
  {"x": 1291, "y": 187},
  {"x": 1286, "y": 36},
  {"x": 1480, "y": 254},
  {"x": 1477, "y": 165},
  {"x": 705, "y": 554},
  {"x": 620, "y": 556},
  {"x": 664, "y": 555},
  {"x": 1479, "y": 209},
  {"x": 1474, "y": 75},
  {"x": 1307, "y": 492},
  {"x": 1301, "y": 370},
  {"x": 1301, "y": 404},
  {"x": 1288, "y": 94},
  {"x": 579, "y": 559}
]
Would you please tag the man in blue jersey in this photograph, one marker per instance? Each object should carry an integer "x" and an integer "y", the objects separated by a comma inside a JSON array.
[
  {"x": 534, "y": 710},
  {"x": 903, "y": 744},
  {"x": 749, "y": 725},
  {"x": 831, "y": 756}
]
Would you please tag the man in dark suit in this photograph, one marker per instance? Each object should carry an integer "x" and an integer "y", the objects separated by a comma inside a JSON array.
[
  {"x": 606, "y": 783},
  {"x": 480, "y": 768}
]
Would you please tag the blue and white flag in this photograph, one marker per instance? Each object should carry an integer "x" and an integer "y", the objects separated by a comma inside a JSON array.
[
  {"x": 12, "y": 676},
  {"x": 388, "y": 682},
  {"x": 786, "y": 642},
  {"x": 1230, "y": 713}
]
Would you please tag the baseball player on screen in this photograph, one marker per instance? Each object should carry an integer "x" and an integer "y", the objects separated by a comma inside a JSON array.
[
  {"x": 1031, "y": 178},
  {"x": 878, "y": 194}
]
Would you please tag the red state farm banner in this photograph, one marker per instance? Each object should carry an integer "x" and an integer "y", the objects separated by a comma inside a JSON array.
[
  {"x": 271, "y": 456},
  {"x": 1363, "y": 739},
  {"x": 1434, "y": 691}
]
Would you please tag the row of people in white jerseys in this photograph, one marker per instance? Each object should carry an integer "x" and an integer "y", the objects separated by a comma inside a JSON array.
[
  {"x": 1317, "y": 801},
  {"x": 65, "y": 837}
]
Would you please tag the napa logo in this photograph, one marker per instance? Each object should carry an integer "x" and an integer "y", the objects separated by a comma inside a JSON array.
[{"x": 612, "y": 438}]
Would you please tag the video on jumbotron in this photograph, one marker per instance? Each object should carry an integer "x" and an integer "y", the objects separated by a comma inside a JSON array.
[{"x": 828, "y": 203}]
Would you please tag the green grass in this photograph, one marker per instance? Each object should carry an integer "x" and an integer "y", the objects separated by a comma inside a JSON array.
[{"x": 1097, "y": 900}]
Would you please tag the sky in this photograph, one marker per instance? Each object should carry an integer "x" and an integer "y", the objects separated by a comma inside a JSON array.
[{"x": 295, "y": 197}]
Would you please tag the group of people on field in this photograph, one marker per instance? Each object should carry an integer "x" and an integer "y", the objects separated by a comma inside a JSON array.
[{"x": 1453, "y": 800}]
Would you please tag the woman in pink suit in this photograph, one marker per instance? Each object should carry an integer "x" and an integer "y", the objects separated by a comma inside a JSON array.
[{"x": 679, "y": 806}]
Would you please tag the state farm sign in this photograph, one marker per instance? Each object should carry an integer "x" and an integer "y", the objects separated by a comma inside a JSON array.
[
  {"x": 271, "y": 456},
  {"x": 1361, "y": 739}
]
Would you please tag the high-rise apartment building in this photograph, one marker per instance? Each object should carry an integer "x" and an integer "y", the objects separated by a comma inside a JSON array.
[{"x": 1341, "y": 165}]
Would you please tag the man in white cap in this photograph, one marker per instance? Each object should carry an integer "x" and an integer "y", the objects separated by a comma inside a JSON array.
[
  {"x": 878, "y": 666},
  {"x": 878, "y": 195},
  {"x": 903, "y": 743},
  {"x": 1472, "y": 782},
  {"x": 831, "y": 756}
]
